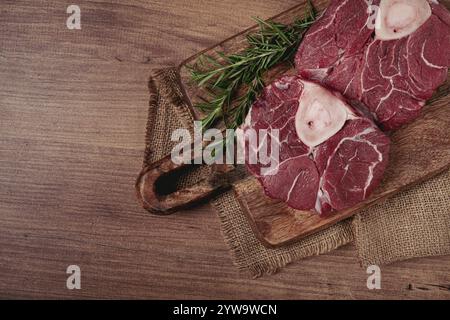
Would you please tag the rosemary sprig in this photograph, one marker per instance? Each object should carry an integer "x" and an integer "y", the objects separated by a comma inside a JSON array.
[{"x": 234, "y": 81}]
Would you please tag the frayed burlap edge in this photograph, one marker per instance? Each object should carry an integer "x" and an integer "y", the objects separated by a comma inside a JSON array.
[
  {"x": 164, "y": 82},
  {"x": 412, "y": 224},
  {"x": 249, "y": 255}
]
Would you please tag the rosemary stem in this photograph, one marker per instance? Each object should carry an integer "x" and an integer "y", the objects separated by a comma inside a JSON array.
[{"x": 273, "y": 44}]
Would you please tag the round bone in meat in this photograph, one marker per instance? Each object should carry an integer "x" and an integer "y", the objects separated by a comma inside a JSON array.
[
  {"x": 336, "y": 174},
  {"x": 321, "y": 114},
  {"x": 399, "y": 18}
]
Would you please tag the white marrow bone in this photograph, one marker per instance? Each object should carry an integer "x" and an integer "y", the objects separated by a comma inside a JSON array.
[
  {"x": 399, "y": 18},
  {"x": 321, "y": 114}
]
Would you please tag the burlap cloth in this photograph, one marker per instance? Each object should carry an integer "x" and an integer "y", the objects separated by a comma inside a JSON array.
[{"x": 415, "y": 223}]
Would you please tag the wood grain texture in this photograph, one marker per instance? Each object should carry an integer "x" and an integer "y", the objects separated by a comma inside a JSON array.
[
  {"x": 151, "y": 186},
  {"x": 418, "y": 152},
  {"x": 73, "y": 110}
]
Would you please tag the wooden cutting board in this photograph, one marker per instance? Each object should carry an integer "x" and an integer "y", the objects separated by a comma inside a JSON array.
[{"x": 419, "y": 151}]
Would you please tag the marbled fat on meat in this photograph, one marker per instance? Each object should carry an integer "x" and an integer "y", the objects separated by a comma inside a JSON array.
[
  {"x": 334, "y": 175},
  {"x": 394, "y": 78}
]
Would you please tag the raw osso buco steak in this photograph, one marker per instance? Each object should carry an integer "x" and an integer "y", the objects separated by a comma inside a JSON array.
[
  {"x": 392, "y": 67},
  {"x": 351, "y": 77},
  {"x": 338, "y": 161}
]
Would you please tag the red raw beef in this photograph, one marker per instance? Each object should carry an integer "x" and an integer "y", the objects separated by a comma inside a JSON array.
[
  {"x": 394, "y": 78},
  {"x": 334, "y": 175}
]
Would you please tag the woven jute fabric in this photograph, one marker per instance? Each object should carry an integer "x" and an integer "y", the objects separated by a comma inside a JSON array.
[
  {"x": 412, "y": 224},
  {"x": 415, "y": 223}
]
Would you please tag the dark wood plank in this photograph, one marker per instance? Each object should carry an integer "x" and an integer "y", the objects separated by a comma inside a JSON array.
[{"x": 72, "y": 121}]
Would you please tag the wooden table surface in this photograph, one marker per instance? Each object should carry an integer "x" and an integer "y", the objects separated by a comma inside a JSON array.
[{"x": 73, "y": 109}]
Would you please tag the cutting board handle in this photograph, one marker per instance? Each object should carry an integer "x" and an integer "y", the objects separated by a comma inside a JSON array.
[{"x": 155, "y": 176}]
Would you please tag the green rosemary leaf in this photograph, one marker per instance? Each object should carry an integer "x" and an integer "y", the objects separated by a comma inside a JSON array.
[{"x": 225, "y": 76}]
